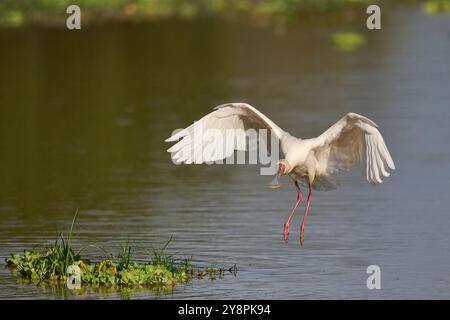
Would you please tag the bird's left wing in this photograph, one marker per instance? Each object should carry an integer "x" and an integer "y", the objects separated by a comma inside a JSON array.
[
  {"x": 352, "y": 140},
  {"x": 215, "y": 136}
]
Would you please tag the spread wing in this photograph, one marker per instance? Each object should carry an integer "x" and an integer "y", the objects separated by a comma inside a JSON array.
[
  {"x": 353, "y": 140},
  {"x": 215, "y": 136}
]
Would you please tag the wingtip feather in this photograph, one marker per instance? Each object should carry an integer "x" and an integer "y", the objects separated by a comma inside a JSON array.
[{"x": 353, "y": 115}]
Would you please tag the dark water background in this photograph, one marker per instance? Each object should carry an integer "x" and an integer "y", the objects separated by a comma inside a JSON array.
[{"x": 83, "y": 117}]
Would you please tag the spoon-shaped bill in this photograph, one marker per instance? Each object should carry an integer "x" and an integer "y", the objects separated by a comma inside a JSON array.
[{"x": 275, "y": 183}]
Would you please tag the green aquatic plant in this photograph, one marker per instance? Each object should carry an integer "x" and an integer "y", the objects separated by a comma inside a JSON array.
[
  {"x": 348, "y": 41},
  {"x": 60, "y": 261},
  {"x": 124, "y": 256},
  {"x": 41, "y": 267},
  {"x": 50, "y": 266},
  {"x": 158, "y": 256},
  {"x": 64, "y": 251}
]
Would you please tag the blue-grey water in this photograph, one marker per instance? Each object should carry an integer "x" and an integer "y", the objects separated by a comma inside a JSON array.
[{"x": 83, "y": 117}]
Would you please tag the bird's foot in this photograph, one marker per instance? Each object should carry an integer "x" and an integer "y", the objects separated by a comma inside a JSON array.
[
  {"x": 302, "y": 235},
  {"x": 286, "y": 232}
]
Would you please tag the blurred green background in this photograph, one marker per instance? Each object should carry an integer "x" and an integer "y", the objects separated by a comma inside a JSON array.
[{"x": 16, "y": 13}]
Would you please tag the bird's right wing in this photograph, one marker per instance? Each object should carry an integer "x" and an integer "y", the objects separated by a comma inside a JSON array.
[
  {"x": 211, "y": 138},
  {"x": 352, "y": 140}
]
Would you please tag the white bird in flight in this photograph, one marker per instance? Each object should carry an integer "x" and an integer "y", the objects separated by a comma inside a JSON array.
[{"x": 353, "y": 140}]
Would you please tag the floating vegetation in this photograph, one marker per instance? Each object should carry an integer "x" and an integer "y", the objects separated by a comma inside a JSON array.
[
  {"x": 12, "y": 18},
  {"x": 348, "y": 41},
  {"x": 62, "y": 264},
  {"x": 435, "y": 7}
]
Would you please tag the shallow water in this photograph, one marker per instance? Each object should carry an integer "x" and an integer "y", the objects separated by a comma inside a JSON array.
[{"x": 84, "y": 116}]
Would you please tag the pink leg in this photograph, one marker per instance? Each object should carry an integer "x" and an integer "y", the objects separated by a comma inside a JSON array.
[
  {"x": 308, "y": 203},
  {"x": 287, "y": 224}
]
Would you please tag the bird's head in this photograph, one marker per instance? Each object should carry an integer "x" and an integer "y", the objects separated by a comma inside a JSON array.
[{"x": 283, "y": 168}]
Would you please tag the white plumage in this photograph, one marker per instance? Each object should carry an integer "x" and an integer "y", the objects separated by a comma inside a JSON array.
[
  {"x": 227, "y": 118},
  {"x": 353, "y": 140}
]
